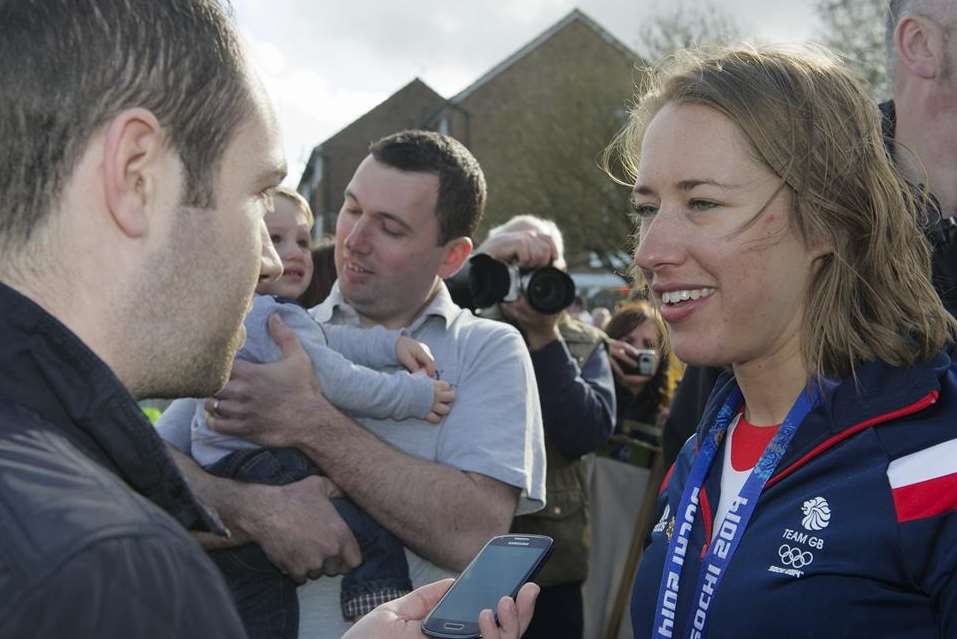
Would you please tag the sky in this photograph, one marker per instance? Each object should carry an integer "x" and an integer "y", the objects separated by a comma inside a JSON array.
[{"x": 326, "y": 62}]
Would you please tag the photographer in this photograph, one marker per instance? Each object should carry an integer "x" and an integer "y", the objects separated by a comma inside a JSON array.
[
  {"x": 643, "y": 389},
  {"x": 578, "y": 409}
]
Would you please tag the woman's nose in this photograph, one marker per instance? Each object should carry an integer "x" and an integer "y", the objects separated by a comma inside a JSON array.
[{"x": 659, "y": 242}]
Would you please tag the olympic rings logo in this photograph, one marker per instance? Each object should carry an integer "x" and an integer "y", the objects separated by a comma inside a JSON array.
[{"x": 794, "y": 556}]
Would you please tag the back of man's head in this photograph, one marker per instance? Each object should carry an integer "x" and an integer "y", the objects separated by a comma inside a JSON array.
[
  {"x": 69, "y": 66},
  {"x": 899, "y": 9},
  {"x": 461, "y": 197}
]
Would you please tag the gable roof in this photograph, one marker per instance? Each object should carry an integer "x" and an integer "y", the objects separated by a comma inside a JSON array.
[
  {"x": 415, "y": 85},
  {"x": 573, "y": 15}
]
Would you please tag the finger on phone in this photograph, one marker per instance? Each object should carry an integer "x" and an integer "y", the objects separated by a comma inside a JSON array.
[
  {"x": 418, "y": 603},
  {"x": 508, "y": 617},
  {"x": 487, "y": 626},
  {"x": 525, "y": 604}
]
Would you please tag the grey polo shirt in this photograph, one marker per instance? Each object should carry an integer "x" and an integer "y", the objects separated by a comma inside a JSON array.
[{"x": 494, "y": 427}]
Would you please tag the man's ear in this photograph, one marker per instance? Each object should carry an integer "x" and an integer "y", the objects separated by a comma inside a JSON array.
[
  {"x": 919, "y": 44},
  {"x": 133, "y": 155},
  {"x": 456, "y": 252}
]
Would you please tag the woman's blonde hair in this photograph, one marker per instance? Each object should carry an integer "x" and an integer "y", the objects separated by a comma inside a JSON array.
[
  {"x": 812, "y": 124},
  {"x": 294, "y": 197}
]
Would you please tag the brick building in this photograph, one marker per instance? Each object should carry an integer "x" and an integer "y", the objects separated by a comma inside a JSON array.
[
  {"x": 332, "y": 163},
  {"x": 536, "y": 122}
]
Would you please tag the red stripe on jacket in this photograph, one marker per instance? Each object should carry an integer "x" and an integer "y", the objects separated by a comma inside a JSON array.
[
  {"x": 926, "y": 498},
  {"x": 916, "y": 407}
]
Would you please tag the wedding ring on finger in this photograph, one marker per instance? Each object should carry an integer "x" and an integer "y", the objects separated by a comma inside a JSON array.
[{"x": 215, "y": 410}]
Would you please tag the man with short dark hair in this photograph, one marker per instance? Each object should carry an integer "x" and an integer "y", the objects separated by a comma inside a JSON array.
[
  {"x": 461, "y": 198},
  {"x": 136, "y": 152},
  {"x": 443, "y": 490}
]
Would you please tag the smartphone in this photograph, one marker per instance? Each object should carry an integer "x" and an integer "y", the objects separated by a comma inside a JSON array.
[{"x": 500, "y": 568}]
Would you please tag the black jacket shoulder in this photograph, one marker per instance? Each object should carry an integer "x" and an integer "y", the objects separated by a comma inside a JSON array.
[{"x": 103, "y": 559}]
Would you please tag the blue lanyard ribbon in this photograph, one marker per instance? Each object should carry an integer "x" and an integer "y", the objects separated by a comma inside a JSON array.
[{"x": 732, "y": 528}]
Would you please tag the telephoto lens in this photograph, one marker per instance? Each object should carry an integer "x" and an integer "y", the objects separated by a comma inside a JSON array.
[
  {"x": 489, "y": 280},
  {"x": 548, "y": 290}
]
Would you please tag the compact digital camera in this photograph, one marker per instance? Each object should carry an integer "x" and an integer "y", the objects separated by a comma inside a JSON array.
[{"x": 647, "y": 363}]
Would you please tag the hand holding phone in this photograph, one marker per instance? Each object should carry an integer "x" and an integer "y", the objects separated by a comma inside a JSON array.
[
  {"x": 500, "y": 568},
  {"x": 402, "y": 618}
]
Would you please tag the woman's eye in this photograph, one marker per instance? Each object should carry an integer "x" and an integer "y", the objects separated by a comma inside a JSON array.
[
  {"x": 701, "y": 205},
  {"x": 274, "y": 238}
]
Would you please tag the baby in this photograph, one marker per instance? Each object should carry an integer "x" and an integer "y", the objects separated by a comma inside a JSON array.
[{"x": 267, "y": 599}]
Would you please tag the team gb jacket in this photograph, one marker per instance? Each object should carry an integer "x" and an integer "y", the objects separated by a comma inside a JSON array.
[{"x": 855, "y": 533}]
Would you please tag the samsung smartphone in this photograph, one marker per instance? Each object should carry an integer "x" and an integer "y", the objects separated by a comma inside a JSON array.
[{"x": 500, "y": 569}]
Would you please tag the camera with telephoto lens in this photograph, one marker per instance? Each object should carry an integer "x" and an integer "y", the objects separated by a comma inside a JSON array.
[
  {"x": 489, "y": 281},
  {"x": 647, "y": 363}
]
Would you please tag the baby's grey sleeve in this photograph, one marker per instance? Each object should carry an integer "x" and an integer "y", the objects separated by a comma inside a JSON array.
[
  {"x": 364, "y": 392},
  {"x": 259, "y": 346},
  {"x": 355, "y": 389},
  {"x": 174, "y": 425},
  {"x": 373, "y": 347}
]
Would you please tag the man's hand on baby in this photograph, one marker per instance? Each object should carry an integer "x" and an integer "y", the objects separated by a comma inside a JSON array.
[
  {"x": 299, "y": 529},
  {"x": 414, "y": 355},
  {"x": 329, "y": 488},
  {"x": 442, "y": 397}
]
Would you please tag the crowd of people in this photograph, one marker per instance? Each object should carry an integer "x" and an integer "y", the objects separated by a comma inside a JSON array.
[{"x": 345, "y": 438}]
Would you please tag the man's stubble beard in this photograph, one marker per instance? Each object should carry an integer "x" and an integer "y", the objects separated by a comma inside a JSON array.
[{"x": 194, "y": 312}]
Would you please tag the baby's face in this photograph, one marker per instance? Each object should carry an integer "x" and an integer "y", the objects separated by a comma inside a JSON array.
[{"x": 289, "y": 232}]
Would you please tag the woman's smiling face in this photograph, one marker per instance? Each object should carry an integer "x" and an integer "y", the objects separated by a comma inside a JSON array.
[{"x": 716, "y": 244}]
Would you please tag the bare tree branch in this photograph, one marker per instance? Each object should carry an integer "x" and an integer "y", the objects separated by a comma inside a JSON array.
[
  {"x": 689, "y": 25},
  {"x": 855, "y": 29}
]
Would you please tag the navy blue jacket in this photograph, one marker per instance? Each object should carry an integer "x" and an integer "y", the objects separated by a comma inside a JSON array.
[
  {"x": 873, "y": 562},
  {"x": 93, "y": 512},
  {"x": 578, "y": 405}
]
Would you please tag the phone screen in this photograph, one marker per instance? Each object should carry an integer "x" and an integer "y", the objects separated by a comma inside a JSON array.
[{"x": 499, "y": 570}]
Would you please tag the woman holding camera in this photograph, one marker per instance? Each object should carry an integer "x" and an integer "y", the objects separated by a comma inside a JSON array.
[
  {"x": 818, "y": 497},
  {"x": 645, "y": 376}
]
